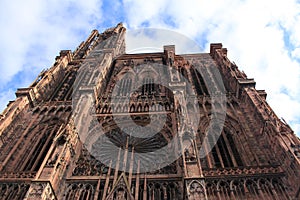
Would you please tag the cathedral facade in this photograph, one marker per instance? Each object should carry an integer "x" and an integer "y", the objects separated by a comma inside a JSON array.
[{"x": 103, "y": 124}]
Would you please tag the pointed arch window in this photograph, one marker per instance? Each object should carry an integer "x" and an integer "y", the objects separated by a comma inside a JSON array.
[
  {"x": 125, "y": 86},
  {"x": 225, "y": 152},
  {"x": 199, "y": 83},
  {"x": 148, "y": 86}
]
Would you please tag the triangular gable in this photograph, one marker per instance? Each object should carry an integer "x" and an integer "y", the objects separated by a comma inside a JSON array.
[{"x": 122, "y": 190}]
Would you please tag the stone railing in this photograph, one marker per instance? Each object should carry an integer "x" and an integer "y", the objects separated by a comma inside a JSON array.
[
  {"x": 246, "y": 171},
  {"x": 17, "y": 175}
]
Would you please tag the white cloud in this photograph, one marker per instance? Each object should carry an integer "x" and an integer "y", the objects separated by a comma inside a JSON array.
[
  {"x": 296, "y": 53},
  {"x": 41, "y": 27},
  {"x": 5, "y": 97},
  {"x": 260, "y": 36},
  {"x": 278, "y": 100},
  {"x": 33, "y": 33},
  {"x": 153, "y": 40}
]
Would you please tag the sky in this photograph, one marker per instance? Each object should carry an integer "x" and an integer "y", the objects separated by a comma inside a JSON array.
[{"x": 262, "y": 37}]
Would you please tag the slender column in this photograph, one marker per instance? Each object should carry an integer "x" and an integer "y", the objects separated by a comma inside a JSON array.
[
  {"x": 219, "y": 194},
  {"x": 137, "y": 182},
  {"x": 97, "y": 189},
  {"x": 274, "y": 192},
  {"x": 232, "y": 196},
  {"x": 44, "y": 147},
  {"x": 209, "y": 159},
  {"x": 50, "y": 151},
  {"x": 218, "y": 153},
  {"x": 198, "y": 159},
  {"x": 125, "y": 156},
  {"x": 183, "y": 157},
  {"x": 107, "y": 181},
  {"x": 208, "y": 155},
  {"x": 117, "y": 167},
  {"x": 145, "y": 188},
  {"x": 131, "y": 167},
  {"x": 226, "y": 154},
  {"x": 229, "y": 149}
]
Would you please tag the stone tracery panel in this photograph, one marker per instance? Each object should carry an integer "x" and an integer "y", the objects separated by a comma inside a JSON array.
[
  {"x": 162, "y": 190},
  {"x": 87, "y": 165},
  {"x": 12, "y": 191},
  {"x": 80, "y": 191},
  {"x": 246, "y": 188}
]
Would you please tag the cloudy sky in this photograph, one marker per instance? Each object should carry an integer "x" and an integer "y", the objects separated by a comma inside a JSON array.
[{"x": 262, "y": 36}]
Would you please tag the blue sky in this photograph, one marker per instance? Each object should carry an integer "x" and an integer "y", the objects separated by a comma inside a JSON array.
[{"x": 262, "y": 37}]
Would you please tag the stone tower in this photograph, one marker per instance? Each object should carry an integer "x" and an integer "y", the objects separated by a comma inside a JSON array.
[{"x": 73, "y": 133}]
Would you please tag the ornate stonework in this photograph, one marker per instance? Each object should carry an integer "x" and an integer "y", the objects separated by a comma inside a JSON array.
[{"x": 42, "y": 156}]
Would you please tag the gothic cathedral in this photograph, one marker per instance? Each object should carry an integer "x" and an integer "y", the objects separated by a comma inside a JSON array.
[{"x": 101, "y": 124}]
